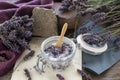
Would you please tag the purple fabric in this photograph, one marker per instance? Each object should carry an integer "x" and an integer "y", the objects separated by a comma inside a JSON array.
[
  {"x": 21, "y": 8},
  {"x": 11, "y": 59},
  {"x": 7, "y": 65},
  {"x": 58, "y": 0}
]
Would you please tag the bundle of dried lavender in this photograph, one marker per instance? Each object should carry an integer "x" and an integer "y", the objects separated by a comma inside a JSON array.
[
  {"x": 68, "y": 5},
  {"x": 16, "y": 33}
]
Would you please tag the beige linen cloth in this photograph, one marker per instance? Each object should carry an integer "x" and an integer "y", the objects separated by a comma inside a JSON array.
[{"x": 69, "y": 74}]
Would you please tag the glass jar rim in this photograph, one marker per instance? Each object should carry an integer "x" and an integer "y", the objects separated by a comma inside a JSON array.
[
  {"x": 55, "y": 38},
  {"x": 88, "y": 47}
]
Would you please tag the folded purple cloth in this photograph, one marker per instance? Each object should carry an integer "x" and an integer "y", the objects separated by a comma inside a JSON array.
[
  {"x": 21, "y": 8},
  {"x": 10, "y": 59},
  {"x": 58, "y": 0},
  {"x": 5, "y": 66}
]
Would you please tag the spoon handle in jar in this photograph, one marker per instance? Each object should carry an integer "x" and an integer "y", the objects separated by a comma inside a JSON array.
[{"x": 59, "y": 42}]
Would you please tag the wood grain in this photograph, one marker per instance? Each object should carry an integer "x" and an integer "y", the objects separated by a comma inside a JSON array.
[{"x": 112, "y": 73}]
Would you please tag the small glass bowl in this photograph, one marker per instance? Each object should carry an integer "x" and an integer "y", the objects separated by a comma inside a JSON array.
[
  {"x": 56, "y": 63},
  {"x": 89, "y": 48}
]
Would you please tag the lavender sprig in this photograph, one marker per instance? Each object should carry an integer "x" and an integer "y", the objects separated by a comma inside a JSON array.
[
  {"x": 27, "y": 73},
  {"x": 84, "y": 75},
  {"x": 29, "y": 55},
  {"x": 60, "y": 77}
]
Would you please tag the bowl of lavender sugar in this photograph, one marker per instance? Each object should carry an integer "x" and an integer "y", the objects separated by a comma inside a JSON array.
[{"x": 57, "y": 58}]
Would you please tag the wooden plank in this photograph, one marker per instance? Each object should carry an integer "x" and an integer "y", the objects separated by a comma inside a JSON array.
[{"x": 111, "y": 74}]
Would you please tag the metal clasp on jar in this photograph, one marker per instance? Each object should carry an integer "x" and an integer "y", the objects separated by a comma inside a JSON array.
[{"x": 41, "y": 68}]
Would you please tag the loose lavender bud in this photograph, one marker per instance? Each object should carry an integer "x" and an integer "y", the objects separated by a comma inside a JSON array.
[
  {"x": 29, "y": 55},
  {"x": 60, "y": 77},
  {"x": 27, "y": 73},
  {"x": 84, "y": 75}
]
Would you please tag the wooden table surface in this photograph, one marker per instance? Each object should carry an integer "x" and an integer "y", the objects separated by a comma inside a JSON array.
[{"x": 111, "y": 74}]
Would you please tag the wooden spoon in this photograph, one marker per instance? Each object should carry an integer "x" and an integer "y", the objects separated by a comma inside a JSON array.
[{"x": 59, "y": 42}]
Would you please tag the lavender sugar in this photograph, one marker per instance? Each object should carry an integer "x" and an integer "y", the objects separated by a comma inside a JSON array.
[{"x": 60, "y": 52}]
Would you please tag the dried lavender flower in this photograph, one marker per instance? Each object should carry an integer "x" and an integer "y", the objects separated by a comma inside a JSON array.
[
  {"x": 96, "y": 39},
  {"x": 84, "y": 29},
  {"x": 27, "y": 73},
  {"x": 60, "y": 77},
  {"x": 16, "y": 32},
  {"x": 65, "y": 5},
  {"x": 84, "y": 75},
  {"x": 29, "y": 55},
  {"x": 68, "y": 5}
]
